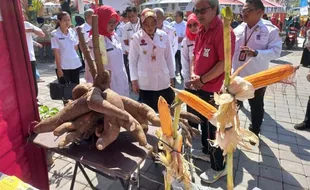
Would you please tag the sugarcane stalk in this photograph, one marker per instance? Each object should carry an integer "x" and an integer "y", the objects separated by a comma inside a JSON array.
[
  {"x": 177, "y": 112},
  {"x": 229, "y": 168},
  {"x": 86, "y": 52},
  {"x": 227, "y": 15}
]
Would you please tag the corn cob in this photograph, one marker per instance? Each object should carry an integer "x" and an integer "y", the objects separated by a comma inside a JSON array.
[
  {"x": 165, "y": 117},
  {"x": 270, "y": 76},
  {"x": 196, "y": 103}
]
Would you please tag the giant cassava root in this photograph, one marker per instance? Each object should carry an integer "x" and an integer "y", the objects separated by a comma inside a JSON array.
[{"x": 98, "y": 110}]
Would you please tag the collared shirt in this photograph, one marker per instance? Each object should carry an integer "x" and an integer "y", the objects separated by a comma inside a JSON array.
[
  {"x": 86, "y": 29},
  {"x": 69, "y": 59},
  {"x": 180, "y": 29},
  {"x": 152, "y": 74},
  {"x": 129, "y": 30},
  {"x": 187, "y": 48},
  {"x": 119, "y": 79},
  {"x": 265, "y": 39},
  {"x": 172, "y": 35},
  {"x": 209, "y": 50},
  {"x": 29, "y": 38}
]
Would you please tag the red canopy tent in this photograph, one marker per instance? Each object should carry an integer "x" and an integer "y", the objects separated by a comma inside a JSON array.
[
  {"x": 230, "y": 2},
  {"x": 18, "y": 107}
]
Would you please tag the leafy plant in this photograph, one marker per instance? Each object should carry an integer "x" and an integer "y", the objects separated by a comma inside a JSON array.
[{"x": 46, "y": 112}]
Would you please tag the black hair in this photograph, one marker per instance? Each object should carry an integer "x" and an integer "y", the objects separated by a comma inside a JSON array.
[
  {"x": 124, "y": 14},
  {"x": 79, "y": 20},
  {"x": 131, "y": 9},
  {"x": 180, "y": 13},
  {"x": 258, "y": 4},
  {"x": 59, "y": 17}
]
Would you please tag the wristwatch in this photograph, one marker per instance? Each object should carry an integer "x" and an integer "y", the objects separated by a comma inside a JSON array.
[{"x": 255, "y": 53}]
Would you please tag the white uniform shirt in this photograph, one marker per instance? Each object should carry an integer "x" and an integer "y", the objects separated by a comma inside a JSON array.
[
  {"x": 187, "y": 55},
  {"x": 151, "y": 75},
  {"x": 29, "y": 38},
  {"x": 69, "y": 59},
  {"x": 120, "y": 30},
  {"x": 86, "y": 29},
  {"x": 265, "y": 39},
  {"x": 180, "y": 28},
  {"x": 129, "y": 30},
  {"x": 119, "y": 79},
  {"x": 172, "y": 35}
]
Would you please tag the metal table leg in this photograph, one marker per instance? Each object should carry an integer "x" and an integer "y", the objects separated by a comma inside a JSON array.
[
  {"x": 74, "y": 176},
  {"x": 86, "y": 176}
]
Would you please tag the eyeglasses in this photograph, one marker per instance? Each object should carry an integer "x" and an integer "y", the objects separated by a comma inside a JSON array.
[
  {"x": 246, "y": 11},
  {"x": 192, "y": 25},
  {"x": 201, "y": 11}
]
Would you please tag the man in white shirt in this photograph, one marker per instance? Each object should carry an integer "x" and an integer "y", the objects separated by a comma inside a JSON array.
[
  {"x": 166, "y": 28},
  {"x": 258, "y": 40},
  {"x": 86, "y": 27},
  {"x": 120, "y": 32},
  {"x": 129, "y": 29},
  {"x": 180, "y": 27},
  {"x": 31, "y": 32}
]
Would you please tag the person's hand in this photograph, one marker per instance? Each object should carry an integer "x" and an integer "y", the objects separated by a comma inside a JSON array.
[
  {"x": 250, "y": 52},
  {"x": 195, "y": 82},
  {"x": 29, "y": 30},
  {"x": 308, "y": 77},
  {"x": 40, "y": 45},
  {"x": 135, "y": 86},
  {"x": 60, "y": 73},
  {"x": 126, "y": 52},
  {"x": 172, "y": 83}
]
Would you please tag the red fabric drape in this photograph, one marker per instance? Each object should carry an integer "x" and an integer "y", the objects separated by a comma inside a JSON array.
[{"x": 18, "y": 102}]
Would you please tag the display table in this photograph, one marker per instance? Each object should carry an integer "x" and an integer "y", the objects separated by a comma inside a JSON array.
[{"x": 118, "y": 161}]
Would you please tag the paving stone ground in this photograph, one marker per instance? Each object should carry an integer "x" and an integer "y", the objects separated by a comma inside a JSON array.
[{"x": 282, "y": 160}]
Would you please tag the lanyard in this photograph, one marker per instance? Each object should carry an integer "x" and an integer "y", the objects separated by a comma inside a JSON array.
[{"x": 245, "y": 36}]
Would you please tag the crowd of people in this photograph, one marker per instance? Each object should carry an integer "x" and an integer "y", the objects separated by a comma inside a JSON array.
[{"x": 145, "y": 52}]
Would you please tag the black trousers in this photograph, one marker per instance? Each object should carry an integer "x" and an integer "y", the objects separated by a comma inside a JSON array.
[
  {"x": 151, "y": 97},
  {"x": 126, "y": 63},
  {"x": 70, "y": 75},
  {"x": 191, "y": 110},
  {"x": 257, "y": 110},
  {"x": 209, "y": 132},
  {"x": 81, "y": 57},
  {"x": 33, "y": 68},
  {"x": 178, "y": 61},
  {"x": 307, "y": 116}
]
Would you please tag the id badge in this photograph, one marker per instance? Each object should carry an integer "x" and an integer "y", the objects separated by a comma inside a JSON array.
[{"x": 242, "y": 56}]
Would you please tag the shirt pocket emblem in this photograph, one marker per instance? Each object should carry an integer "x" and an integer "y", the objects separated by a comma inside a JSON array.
[{"x": 206, "y": 52}]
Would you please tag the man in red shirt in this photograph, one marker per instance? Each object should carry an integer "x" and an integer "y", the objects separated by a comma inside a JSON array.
[{"x": 208, "y": 75}]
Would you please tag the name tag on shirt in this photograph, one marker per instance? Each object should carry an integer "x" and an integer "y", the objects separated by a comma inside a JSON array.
[
  {"x": 110, "y": 49},
  {"x": 258, "y": 37},
  {"x": 190, "y": 45},
  {"x": 61, "y": 38},
  {"x": 143, "y": 44},
  {"x": 129, "y": 29}
]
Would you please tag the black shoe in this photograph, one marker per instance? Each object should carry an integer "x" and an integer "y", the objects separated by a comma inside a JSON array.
[{"x": 302, "y": 126}]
